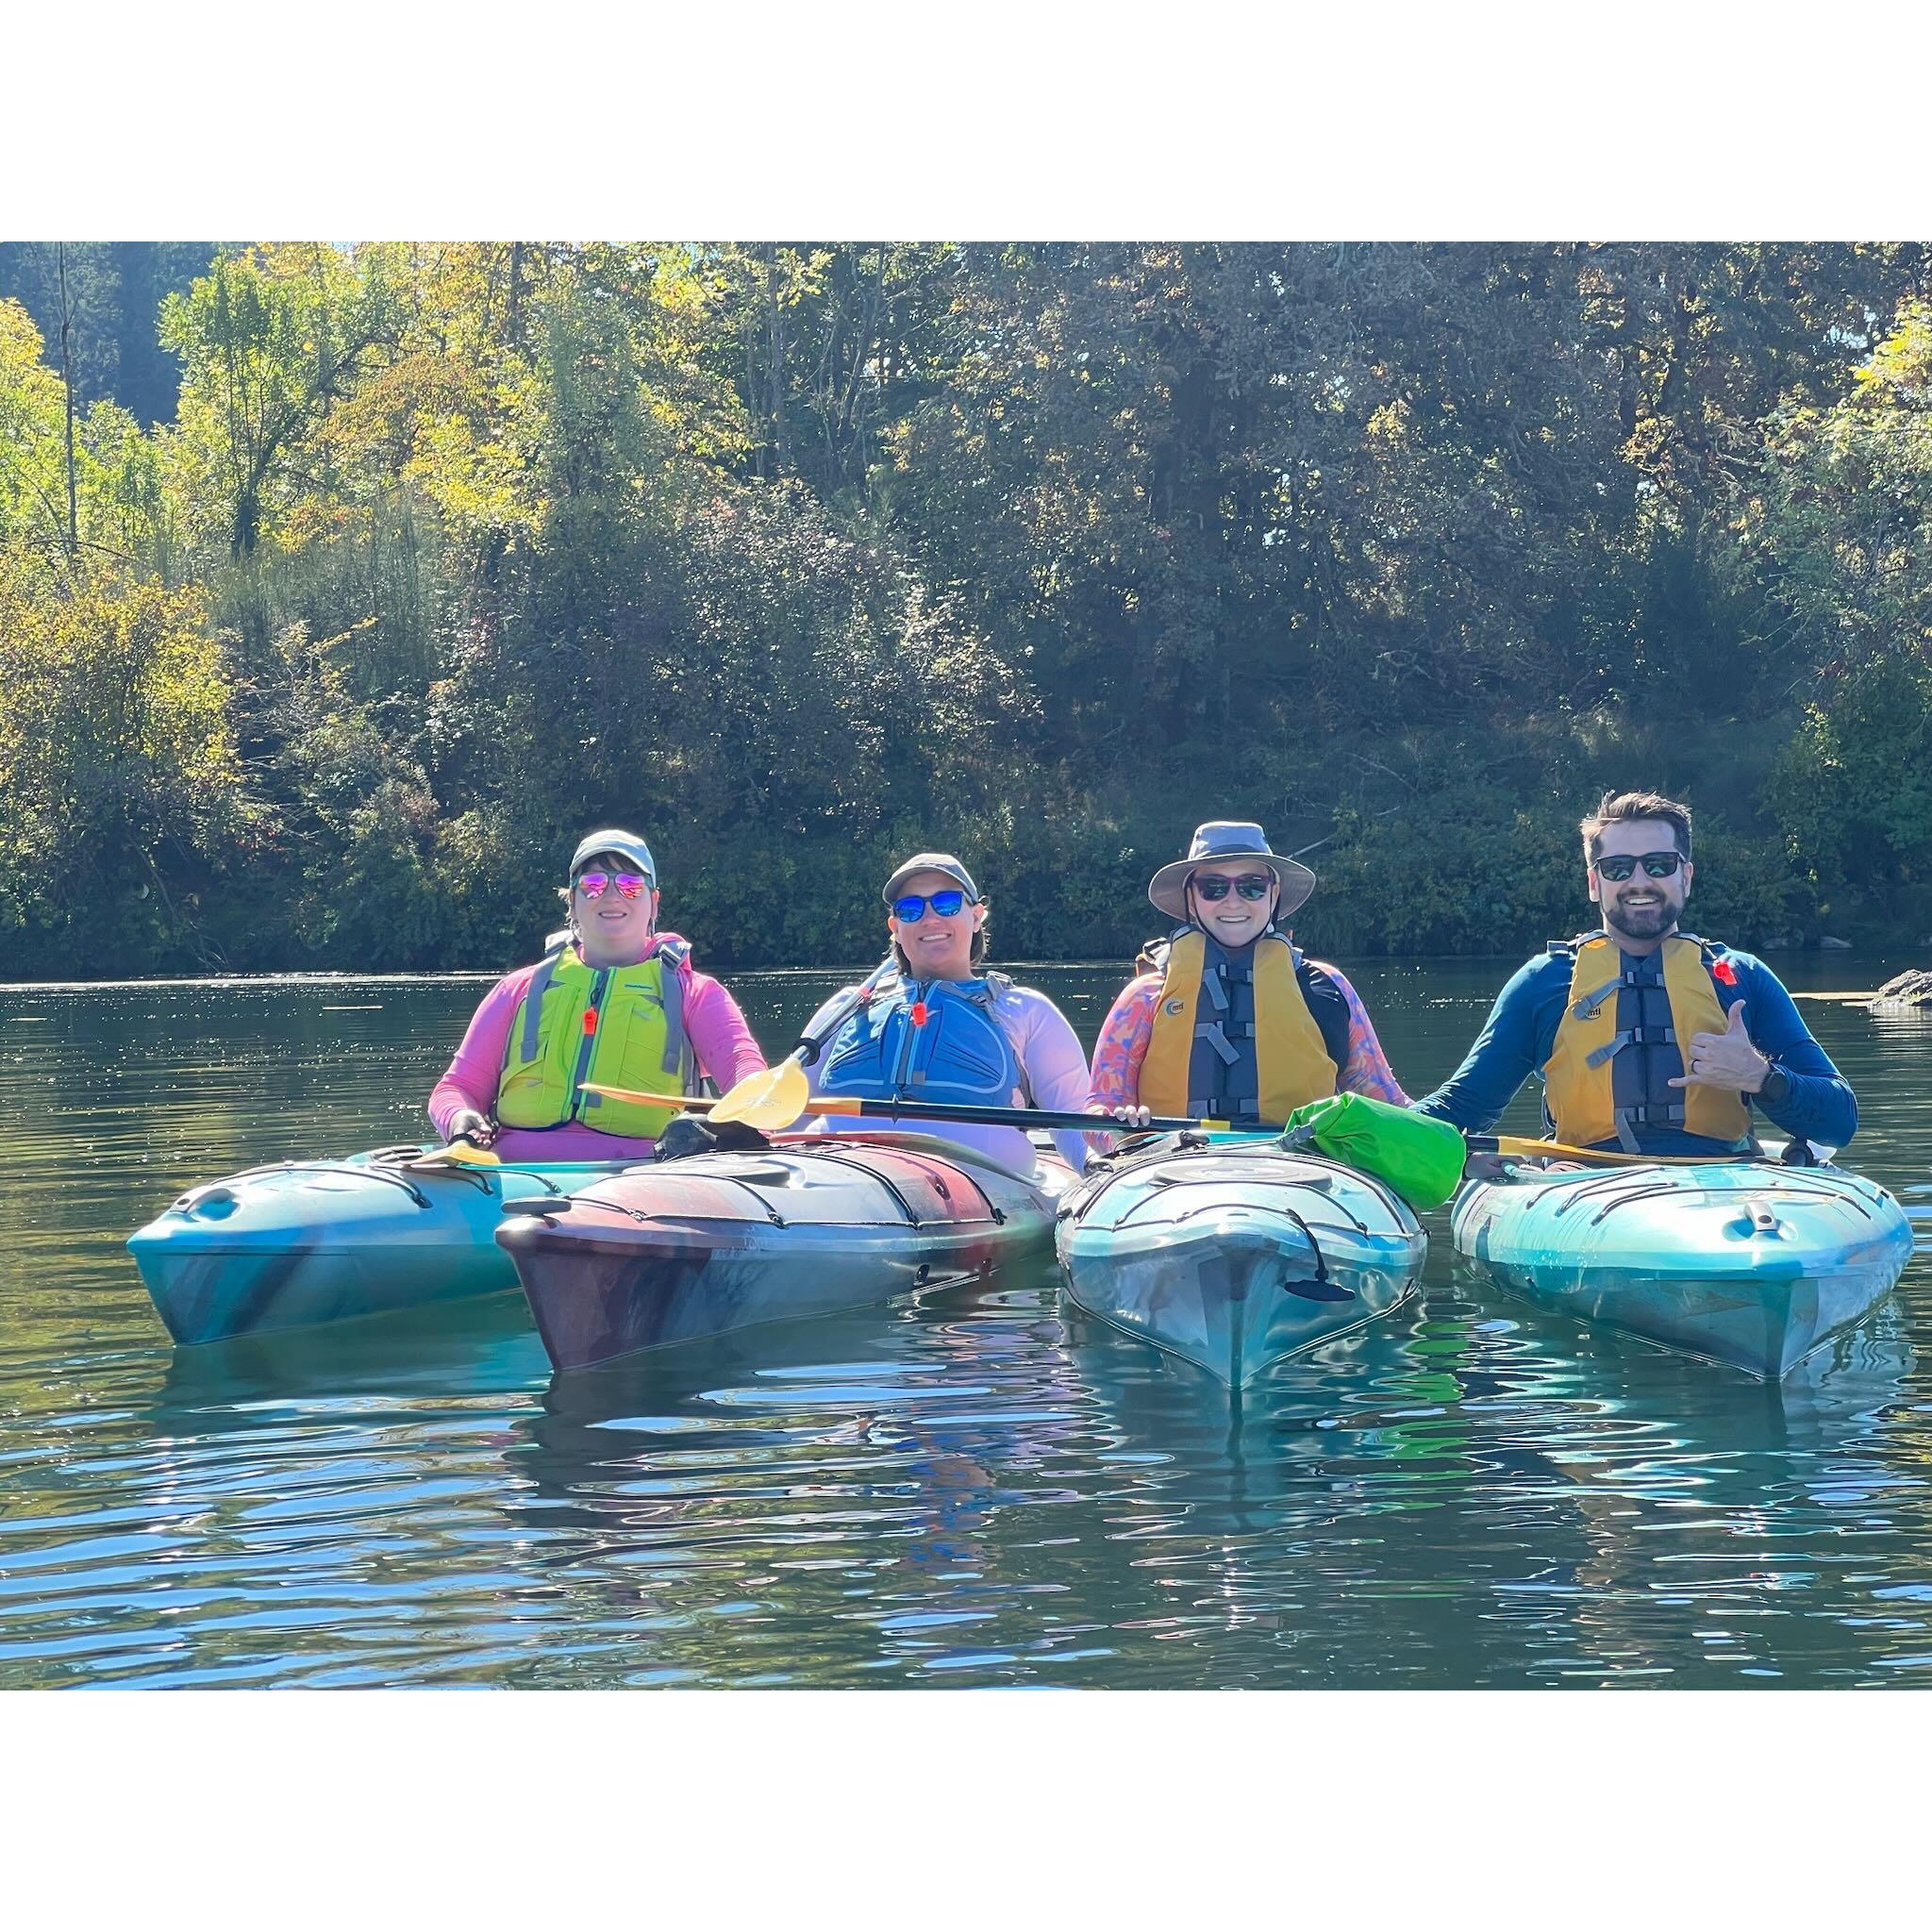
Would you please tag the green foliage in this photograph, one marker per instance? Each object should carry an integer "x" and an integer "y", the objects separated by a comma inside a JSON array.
[
  {"x": 270, "y": 338},
  {"x": 1452, "y": 875},
  {"x": 113, "y": 294},
  {"x": 119, "y": 787},
  {"x": 1852, "y": 792},
  {"x": 802, "y": 556}
]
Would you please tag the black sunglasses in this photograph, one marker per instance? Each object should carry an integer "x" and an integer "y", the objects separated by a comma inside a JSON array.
[
  {"x": 1250, "y": 886},
  {"x": 1619, "y": 865}
]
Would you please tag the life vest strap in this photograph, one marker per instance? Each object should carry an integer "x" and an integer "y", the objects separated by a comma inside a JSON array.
[
  {"x": 1216, "y": 1037},
  {"x": 533, "y": 1004},
  {"x": 1632, "y": 1036},
  {"x": 1228, "y": 1106}
]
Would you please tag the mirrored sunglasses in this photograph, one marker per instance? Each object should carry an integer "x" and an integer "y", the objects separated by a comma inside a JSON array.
[
  {"x": 595, "y": 884},
  {"x": 1619, "y": 865},
  {"x": 912, "y": 907},
  {"x": 1250, "y": 886}
]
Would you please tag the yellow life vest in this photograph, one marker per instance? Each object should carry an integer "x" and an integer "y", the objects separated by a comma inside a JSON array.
[
  {"x": 619, "y": 1025},
  {"x": 1292, "y": 1061},
  {"x": 1579, "y": 1077}
]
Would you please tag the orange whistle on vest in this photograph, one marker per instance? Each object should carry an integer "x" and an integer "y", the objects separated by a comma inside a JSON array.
[
  {"x": 919, "y": 1015},
  {"x": 589, "y": 1021}
]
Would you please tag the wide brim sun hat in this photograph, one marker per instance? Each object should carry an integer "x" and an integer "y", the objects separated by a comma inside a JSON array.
[{"x": 1222, "y": 842}]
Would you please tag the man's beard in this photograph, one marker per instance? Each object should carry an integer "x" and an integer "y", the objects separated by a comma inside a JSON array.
[{"x": 1647, "y": 924}]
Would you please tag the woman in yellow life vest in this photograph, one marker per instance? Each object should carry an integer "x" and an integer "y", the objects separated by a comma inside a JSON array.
[
  {"x": 613, "y": 1001},
  {"x": 1234, "y": 1022}
]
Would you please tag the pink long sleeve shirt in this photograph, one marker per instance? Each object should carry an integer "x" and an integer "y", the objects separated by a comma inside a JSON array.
[{"x": 726, "y": 1053}]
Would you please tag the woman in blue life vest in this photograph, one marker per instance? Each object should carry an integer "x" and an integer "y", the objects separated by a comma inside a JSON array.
[
  {"x": 613, "y": 1001},
  {"x": 940, "y": 1026}
]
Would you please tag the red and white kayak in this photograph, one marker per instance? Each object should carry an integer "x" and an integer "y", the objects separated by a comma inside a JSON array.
[{"x": 812, "y": 1225}]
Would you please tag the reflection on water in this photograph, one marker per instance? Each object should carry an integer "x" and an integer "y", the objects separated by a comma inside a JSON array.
[{"x": 977, "y": 1489}]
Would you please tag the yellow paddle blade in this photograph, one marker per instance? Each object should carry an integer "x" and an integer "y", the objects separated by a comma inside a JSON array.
[
  {"x": 774, "y": 1098},
  {"x": 457, "y": 1154},
  {"x": 686, "y": 1101}
]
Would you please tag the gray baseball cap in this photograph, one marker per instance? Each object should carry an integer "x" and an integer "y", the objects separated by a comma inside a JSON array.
[
  {"x": 625, "y": 845},
  {"x": 931, "y": 861}
]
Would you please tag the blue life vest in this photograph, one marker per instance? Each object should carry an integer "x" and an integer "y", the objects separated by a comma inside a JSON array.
[{"x": 925, "y": 1040}]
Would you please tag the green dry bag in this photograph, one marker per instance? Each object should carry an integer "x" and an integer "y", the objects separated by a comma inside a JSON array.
[{"x": 1420, "y": 1158}]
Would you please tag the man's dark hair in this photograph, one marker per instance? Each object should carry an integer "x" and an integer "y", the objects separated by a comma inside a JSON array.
[{"x": 1621, "y": 806}]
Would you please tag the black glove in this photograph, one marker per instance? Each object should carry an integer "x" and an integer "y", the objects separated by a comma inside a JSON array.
[{"x": 691, "y": 1133}]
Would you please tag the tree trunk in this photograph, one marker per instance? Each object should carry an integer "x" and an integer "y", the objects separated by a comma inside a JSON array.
[{"x": 67, "y": 383}]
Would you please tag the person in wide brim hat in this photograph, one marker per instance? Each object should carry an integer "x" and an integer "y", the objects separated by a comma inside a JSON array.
[
  {"x": 1229, "y": 1020},
  {"x": 1218, "y": 843}
]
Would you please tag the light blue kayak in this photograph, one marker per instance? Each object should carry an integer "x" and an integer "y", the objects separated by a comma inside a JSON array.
[
  {"x": 327, "y": 1240},
  {"x": 1745, "y": 1262},
  {"x": 1236, "y": 1255}
]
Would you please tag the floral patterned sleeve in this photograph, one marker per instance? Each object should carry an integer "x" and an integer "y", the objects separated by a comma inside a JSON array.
[
  {"x": 1122, "y": 1047},
  {"x": 1368, "y": 1070}
]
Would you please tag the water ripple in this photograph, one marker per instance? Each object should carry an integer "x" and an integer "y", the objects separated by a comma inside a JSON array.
[{"x": 979, "y": 1490}]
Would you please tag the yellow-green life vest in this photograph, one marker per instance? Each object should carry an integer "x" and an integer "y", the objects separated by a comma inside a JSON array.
[
  {"x": 618, "y": 1025},
  {"x": 1579, "y": 1077}
]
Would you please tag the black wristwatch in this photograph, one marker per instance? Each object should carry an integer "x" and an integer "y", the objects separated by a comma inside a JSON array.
[{"x": 1777, "y": 1084}]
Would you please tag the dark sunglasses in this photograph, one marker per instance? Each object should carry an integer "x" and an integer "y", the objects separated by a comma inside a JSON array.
[
  {"x": 628, "y": 884},
  {"x": 1619, "y": 865},
  {"x": 1250, "y": 886},
  {"x": 911, "y": 908}
]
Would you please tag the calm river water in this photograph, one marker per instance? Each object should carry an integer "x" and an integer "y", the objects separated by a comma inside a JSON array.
[{"x": 975, "y": 1490}]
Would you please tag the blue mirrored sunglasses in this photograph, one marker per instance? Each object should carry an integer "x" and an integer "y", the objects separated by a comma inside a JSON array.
[{"x": 911, "y": 908}]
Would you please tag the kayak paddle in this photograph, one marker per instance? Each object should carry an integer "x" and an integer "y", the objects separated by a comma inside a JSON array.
[
  {"x": 777, "y": 1096},
  {"x": 768, "y": 1117},
  {"x": 457, "y": 1154},
  {"x": 1511, "y": 1144}
]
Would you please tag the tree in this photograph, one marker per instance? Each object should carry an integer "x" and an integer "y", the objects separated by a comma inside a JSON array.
[{"x": 271, "y": 339}]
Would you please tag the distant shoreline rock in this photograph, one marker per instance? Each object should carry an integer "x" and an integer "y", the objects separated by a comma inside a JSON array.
[{"x": 1912, "y": 988}]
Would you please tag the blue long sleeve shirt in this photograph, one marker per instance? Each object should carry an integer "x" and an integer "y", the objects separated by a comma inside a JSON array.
[{"x": 1520, "y": 1034}]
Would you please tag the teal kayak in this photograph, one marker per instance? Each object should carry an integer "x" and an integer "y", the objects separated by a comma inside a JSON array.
[
  {"x": 1236, "y": 1253},
  {"x": 1745, "y": 1262},
  {"x": 304, "y": 1241}
]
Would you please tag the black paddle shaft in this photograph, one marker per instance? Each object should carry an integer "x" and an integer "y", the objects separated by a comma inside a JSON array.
[{"x": 1033, "y": 1117}]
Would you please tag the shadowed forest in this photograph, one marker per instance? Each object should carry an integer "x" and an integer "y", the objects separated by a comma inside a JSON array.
[{"x": 342, "y": 589}]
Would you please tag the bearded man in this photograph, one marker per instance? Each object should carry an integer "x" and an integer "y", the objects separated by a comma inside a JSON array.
[{"x": 1648, "y": 1039}]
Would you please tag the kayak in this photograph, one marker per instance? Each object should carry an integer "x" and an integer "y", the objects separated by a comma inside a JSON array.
[
  {"x": 1236, "y": 1255},
  {"x": 304, "y": 1241},
  {"x": 814, "y": 1225},
  {"x": 1745, "y": 1262}
]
